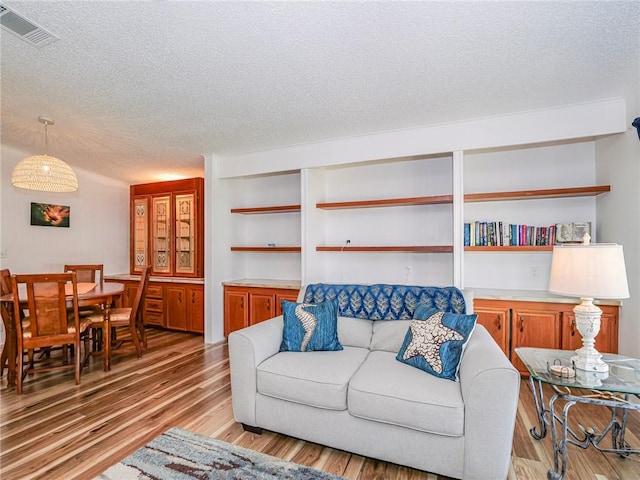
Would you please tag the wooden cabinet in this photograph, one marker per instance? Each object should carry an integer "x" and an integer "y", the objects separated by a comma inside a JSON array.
[
  {"x": 607, "y": 339},
  {"x": 245, "y": 305},
  {"x": 177, "y": 306},
  {"x": 185, "y": 307},
  {"x": 167, "y": 228},
  {"x": 496, "y": 321},
  {"x": 542, "y": 325}
]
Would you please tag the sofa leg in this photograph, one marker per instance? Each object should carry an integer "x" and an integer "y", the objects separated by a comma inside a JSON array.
[{"x": 251, "y": 429}]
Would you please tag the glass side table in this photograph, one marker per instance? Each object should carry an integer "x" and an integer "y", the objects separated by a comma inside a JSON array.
[{"x": 611, "y": 389}]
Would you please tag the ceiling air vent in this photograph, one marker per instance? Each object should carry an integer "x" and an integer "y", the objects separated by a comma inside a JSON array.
[{"x": 25, "y": 29}]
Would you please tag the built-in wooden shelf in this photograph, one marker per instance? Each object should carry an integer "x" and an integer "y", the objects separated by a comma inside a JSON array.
[
  {"x": 400, "y": 248},
  {"x": 271, "y": 209},
  {"x": 387, "y": 202},
  {"x": 537, "y": 194},
  {"x": 266, "y": 249},
  {"x": 469, "y": 198},
  {"x": 513, "y": 248}
]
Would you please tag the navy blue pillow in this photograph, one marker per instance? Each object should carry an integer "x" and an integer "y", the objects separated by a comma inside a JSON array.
[
  {"x": 436, "y": 340},
  {"x": 310, "y": 327}
]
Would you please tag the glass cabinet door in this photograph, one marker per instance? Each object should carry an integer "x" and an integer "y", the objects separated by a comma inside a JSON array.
[
  {"x": 185, "y": 233},
  {"x": 161, "y": 235},
  {"x": 140, "y": 232}
]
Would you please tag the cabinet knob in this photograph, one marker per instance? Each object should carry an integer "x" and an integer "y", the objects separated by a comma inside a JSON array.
[
  {"x": 521, "y": 324},
  {"x": 499, "y": 318},
  {"x": 193, "y": 297},
  {"x": 241, "y": 302},
  {"x": 573, "y": 327},
  {"x": 268, "y": 304}
]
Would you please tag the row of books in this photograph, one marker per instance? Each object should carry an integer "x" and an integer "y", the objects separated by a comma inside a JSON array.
[{"x": 494, "y": 234}]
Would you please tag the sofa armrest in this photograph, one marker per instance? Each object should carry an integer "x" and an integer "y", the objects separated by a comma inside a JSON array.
[
  {"x": 490, "y": 390},
  {"x": 248, "y": 348}
]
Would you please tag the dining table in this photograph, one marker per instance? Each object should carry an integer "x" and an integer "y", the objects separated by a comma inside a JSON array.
[{"x": 92, "y": 294}]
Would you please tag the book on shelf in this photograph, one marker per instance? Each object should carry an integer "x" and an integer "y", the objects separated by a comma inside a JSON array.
[{"x": 502, "y": 234}]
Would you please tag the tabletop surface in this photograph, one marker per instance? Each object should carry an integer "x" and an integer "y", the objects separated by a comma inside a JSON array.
[
  {"x": 101, "y": 290},
  {"x": 623, "y": 375}
]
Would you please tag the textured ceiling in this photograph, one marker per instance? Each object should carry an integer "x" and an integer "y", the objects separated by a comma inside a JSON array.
[{"x": 140, "y": 90}]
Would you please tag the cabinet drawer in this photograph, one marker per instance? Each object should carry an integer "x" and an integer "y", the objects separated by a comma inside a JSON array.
[
  {"x": 154, "y": 291},
  {"x": 154, "y": 305},
  {"x": 153, "y": 318}
]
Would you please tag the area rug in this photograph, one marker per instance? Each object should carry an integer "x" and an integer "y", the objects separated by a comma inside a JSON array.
[{"x": 178, "y": 454}]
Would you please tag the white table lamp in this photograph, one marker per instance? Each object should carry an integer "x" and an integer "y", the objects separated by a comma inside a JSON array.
[{"x": 589, "y": 271}]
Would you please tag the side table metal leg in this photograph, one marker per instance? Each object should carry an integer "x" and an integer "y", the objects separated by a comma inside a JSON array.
[
  {"x": 539, "y": 431},
  {"x": 560, "y": 454}
]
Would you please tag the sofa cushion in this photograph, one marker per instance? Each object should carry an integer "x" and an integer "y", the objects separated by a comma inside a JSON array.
[
  {"x": 388, "y": 336},
  {"x": 385, "y": 301},
  {"x": 318, "y": 379},
  {"x": 356, "y": 332},
  {"x": 310, "y": 327},
  {"x": 388, "y": 391},
  {"x": 436, "y": 340}
]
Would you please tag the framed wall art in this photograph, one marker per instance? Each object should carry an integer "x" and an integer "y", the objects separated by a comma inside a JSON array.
[{"x": 49, "y": 215}]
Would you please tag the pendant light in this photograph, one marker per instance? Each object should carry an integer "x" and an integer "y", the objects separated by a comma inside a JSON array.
[{"x": 44, "y": 173}]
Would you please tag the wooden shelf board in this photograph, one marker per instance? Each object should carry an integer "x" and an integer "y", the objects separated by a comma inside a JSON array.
[
  {"x": 537, "y": 194},
  {"x": 266, "y": 249},
  {"x": 522, "y": 248},
  {"x": 272, "y": 209},
  {"x": 388, "y": 202},
  {"x": 401, "y": 248}
]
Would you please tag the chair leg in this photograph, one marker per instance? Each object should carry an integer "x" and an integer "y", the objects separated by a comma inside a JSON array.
[
  {"x": 19, "y": 375},
  {"x": 77, "y": 360},
  {"x": 135, "y": 339}
]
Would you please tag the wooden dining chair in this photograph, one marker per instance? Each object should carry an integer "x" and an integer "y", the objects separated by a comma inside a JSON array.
[
  {"x": 47, "y": 323},
  {"x": 131, "y": 317},
  {"x": 87, "y": 273},
  {"x": 5, "y": 288}
]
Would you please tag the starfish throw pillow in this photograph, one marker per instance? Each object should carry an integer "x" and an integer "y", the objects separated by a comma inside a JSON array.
[
  {"x": 436, "y": 340},
  {"x": 310, "y": 327}
]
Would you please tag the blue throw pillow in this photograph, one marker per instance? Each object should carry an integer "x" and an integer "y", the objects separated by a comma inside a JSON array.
[
  {"x": 436, "y": 340},
  {"x": 310, "y": 327}
]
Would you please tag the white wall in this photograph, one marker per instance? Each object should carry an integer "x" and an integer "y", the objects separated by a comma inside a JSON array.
[
  {"x": 618, "y": 163},
  {"x": 98, "y": 232}
]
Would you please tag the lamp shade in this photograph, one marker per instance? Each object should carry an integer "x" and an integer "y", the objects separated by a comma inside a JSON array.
[
  {"x": 593, "y": 271},
  {"x": 44, "y": 173}
]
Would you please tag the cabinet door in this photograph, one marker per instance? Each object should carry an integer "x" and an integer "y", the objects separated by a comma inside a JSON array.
[
  {"x": 496, "y": 321},
  {"x": 176, "y": 299},
  {"x": 139, "y": 234},
  {"x": 534, "y": 326},
  {"x": 185, "y": 234},
  {"x": 236, "y": 310},
  {"x": 161, "y": 235},
  {"x": 195, "y": 309},
  {"x": 262, "y": 307},
  {"x": 607, "y": 339},
  {"x": 289, "y": 295}
]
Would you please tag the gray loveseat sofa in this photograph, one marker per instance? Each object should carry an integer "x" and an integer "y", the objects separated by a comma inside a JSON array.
[{"x": 362, "y": 400}]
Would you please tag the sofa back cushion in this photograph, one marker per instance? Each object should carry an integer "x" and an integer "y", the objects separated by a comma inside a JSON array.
[
  {"x": 356, "y": 332},
  {"x": 389, "y": 336},
  {"x": 385, "y": 301}
]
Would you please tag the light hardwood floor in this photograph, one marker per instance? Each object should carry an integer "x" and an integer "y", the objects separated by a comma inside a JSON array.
[{"x": 57, "y": 430}]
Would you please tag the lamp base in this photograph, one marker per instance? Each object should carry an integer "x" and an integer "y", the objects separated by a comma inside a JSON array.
[
  {"x": 589, "y": 362},
  {"x": 588, "y": 322}
]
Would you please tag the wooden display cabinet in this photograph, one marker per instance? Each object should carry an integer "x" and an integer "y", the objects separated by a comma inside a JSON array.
[
  {"x": 167, "y": 228},
  {"x": 245, "y": 306},
  {"x": 516, "y": 324}
]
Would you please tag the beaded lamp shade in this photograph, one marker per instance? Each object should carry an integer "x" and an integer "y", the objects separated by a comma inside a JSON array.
[{"x": 44, "y": 173}]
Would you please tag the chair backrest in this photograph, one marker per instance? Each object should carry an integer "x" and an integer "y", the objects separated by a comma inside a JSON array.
[
  {"x": 141, "y": 293},
  {"x": 47, "y": 308},
  {"x": 5, "y": 288},
  {"x": 86, "y": 273}
]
